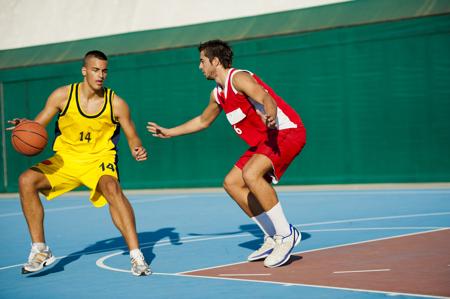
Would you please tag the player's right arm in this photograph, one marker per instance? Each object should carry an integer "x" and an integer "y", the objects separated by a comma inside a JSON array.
[
  {"x": 55, "y": 103},
  {"x": 199, "y": 123}
]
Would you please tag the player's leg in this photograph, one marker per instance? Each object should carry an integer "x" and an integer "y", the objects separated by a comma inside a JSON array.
[
  {"x": 121, "y": 211},
  {"x": 122, "y": 215},
  {"x": 274, "y": 157},
  {"x": 286, "y": 235},
  {"x": 253, "y": 175},
  {"x": 30, "y": 183},
  {"x": 235, "y": 186}
]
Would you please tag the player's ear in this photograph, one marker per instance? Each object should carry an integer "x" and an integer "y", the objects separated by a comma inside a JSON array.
[
  {"x": 216, "y": 61},
  {"x": 83, "y": 71}
]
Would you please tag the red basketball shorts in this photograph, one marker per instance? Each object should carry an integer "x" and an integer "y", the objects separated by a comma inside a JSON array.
[{"x": 281, "y": 147}]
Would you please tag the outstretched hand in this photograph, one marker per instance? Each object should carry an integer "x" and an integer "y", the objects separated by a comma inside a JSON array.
[
  {"x": 157, "y": 131},
  {"x": 14, "y": 122},
  {"x": 268, "y": 120}
]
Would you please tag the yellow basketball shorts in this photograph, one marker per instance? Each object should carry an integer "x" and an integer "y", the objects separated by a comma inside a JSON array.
[{"x": 67, "y": 172}]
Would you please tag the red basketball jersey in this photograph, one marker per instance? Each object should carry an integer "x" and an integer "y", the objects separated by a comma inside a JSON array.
[{"x": 241, "y": 111}]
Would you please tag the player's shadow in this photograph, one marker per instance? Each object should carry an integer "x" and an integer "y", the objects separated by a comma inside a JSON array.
[
  {"x": 251, "y": 229},
  {"x": 147, "y": 242}
]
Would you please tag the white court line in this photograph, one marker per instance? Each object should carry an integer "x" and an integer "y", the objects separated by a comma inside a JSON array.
[
  {"x": 329, "y": 247},
  {"x": 311, "y": 285},
  {"x": 361, "y": 271},
  {"x": 250, "y": 274},
  {"x": 374, "y": 218},
  {"x": 301, "y": 189},
  {"x": 100, "y": 262},
  {"x": 186, "y": 273},
  {"x": 372, "y": 228},
  {"x": 190, "y": 239},
  {"x": 137, "y": 201}
]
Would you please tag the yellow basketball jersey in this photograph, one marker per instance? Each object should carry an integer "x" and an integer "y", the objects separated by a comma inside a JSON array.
[{"x": 79, "y": 133}]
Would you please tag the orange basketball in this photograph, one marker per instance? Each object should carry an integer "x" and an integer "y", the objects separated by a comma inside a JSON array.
[{"x": 29, "y": 138}]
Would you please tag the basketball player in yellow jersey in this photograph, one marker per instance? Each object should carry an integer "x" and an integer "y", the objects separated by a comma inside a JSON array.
[{"x": 89, "y": 121}]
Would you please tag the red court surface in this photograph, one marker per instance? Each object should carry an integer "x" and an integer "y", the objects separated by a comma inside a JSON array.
[{"x": 409, "y": 264}]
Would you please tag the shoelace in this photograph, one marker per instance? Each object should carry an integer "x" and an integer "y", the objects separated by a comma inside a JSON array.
[
  {"x": 39, "y": 257},
  {"x": 278, "y": 239},
  {"x": 138, "y": 261}
]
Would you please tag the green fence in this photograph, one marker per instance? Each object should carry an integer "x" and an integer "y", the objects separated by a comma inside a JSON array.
[{"x": 375, "y": 100}]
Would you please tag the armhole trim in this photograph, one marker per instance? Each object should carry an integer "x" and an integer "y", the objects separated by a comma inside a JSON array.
[
  {"x": 63, "y": 112},
  {"x": 231, "y": 78},
  {"x": 216, "y": 96},
  {"x": 110, "y": 98}
]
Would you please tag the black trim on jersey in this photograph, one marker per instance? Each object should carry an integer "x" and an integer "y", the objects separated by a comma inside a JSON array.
[
  {"x": 68, "y": 101},
  {"x": 91, "y": 116},
  {"x": 57, "y": 131},
  {"x": 116, "y": 162},
  {"x": 115, "y": 138},
  {"x": 111, "y": 106}
]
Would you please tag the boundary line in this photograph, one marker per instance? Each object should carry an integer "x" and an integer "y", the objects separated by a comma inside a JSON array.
[{"x": 300, "y": 188}]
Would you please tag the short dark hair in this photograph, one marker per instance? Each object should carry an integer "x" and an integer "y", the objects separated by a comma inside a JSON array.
[
  {"x": 94, "y": 53},
  {"x": 217, "y": 48}
]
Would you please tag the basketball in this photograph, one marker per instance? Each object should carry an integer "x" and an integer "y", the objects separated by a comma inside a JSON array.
[{"x": 29, "y": 138}]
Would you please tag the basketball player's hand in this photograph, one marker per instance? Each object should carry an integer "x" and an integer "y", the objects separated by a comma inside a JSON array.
[
  {"x": 14, "y": 123},
  {"x": 139, "y": 153},
  {"x": 268, "y": 120},
  {"x": 157, "y": 131}
]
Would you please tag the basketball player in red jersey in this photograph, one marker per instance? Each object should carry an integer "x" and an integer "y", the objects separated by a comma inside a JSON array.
[{"x": 275, "y": 134}]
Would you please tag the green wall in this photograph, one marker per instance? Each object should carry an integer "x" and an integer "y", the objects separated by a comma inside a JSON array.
[{"x": 375, "y": 100}]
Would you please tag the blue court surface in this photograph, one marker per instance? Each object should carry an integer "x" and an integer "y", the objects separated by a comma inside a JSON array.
[{"x": 192, "y": 230}]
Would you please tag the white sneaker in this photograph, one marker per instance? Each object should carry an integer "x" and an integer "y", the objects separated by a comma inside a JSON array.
[
  {"x": 283, "y": 248},
  {"x": 37, "y": 260},
  {"x": 139, "y": 267},
  {"x": 263, "y": 251}
]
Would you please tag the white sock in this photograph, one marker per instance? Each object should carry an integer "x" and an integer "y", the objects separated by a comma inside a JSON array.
[
  {"x": 136, "y": 253},
  {"x": 39, "y": 246},
  {"x": 279, "y": 221},
  {"x": 265, "y": 224}
]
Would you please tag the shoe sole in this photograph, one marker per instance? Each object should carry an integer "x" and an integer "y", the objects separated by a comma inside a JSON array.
[
  {"x": 44, "y": 264},
  {"x": 288, "y": 256},
  {"x": 142, "y": 274},
  {"x": 261, "y": 256}
]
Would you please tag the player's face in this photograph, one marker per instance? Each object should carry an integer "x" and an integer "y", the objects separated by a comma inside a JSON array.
[
  {"x": 207, "y": 68},
  {"x": 95, "y": 72}
]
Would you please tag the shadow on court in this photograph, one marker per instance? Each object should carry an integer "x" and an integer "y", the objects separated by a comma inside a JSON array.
[
  {"x": 252, "y": 229},
  {"x": 147, "y": 241}
]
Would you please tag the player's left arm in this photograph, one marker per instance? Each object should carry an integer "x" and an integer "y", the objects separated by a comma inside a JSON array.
[
  {"x": 247, "y": 85},
  {"x": 122, "y": 114}
]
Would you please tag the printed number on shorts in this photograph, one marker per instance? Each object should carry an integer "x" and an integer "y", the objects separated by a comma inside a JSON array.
[
  {"x": 239, "y": 131},
  {"x": 85, "y": 136},
  {"x": 109, "y": 166}
]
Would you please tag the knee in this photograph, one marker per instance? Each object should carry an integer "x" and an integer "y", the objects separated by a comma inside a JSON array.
[
  {"x": 229, "y": 183},
  {"x": 27, "y": 180},
  {"x": 110, "y": 188},
  {"x": 250, "y": 177}
]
